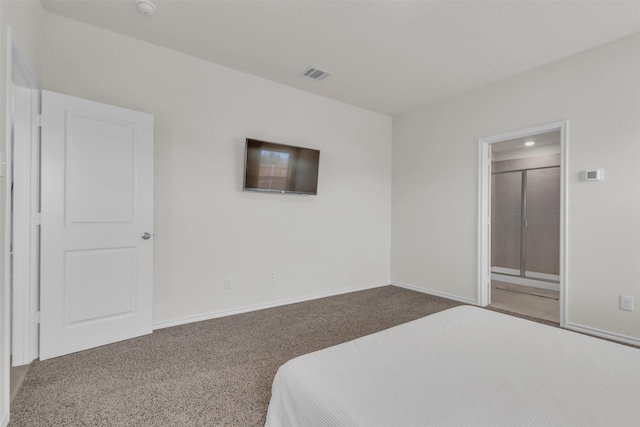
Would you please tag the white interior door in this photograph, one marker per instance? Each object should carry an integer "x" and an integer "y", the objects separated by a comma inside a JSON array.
[{"x": 96, "y": 224}]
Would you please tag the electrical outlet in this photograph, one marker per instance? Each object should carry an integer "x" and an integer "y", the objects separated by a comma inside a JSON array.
[
  {"x": 626, "y": 303},
  {"x": 272, "y": 278},
  {"x": 228, "y": 282}
]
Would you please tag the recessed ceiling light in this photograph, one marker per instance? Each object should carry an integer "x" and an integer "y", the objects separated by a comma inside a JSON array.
[{"x": 530, "y": 143}]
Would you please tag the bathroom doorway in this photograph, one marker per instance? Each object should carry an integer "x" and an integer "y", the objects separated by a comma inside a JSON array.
[
  {"x": 525, "y": 225},
  {"x": 522, "y": 209}
]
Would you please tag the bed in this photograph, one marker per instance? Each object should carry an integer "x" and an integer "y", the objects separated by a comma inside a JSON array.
[{"x": 465, "y": 366}]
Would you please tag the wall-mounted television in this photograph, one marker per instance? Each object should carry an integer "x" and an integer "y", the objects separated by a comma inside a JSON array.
[{"x": 280, "y": 168}]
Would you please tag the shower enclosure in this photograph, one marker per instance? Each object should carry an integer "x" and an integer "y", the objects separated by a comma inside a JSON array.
[{"x": 525, "y": 223}]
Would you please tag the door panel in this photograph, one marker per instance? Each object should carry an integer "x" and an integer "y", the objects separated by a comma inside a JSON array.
[
  {"x": 542, "y": 254},
  {"x": 506, "y": 220},
  {"x": 100, "y": 284},
  {"x": 97, "y": 200},
  {"x": 99, "y": 171}
]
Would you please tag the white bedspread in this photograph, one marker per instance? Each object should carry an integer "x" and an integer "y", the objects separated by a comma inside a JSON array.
[{"x": 465, "y": 366}]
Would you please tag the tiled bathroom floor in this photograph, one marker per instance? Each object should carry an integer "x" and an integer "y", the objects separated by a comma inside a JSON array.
[{"x": 523, "y": 303}]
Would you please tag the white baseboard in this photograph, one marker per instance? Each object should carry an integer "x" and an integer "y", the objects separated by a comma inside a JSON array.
[
  {"x": 5, "y": 420},
  {"x": 273, "y": 304},
  {"x": 256, "y": 307},
  {"x": 435, "y": 293},
  {"x": 603, "y": 334}
]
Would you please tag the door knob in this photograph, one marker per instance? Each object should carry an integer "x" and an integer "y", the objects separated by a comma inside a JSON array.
[{"x": 145, "y": 236}]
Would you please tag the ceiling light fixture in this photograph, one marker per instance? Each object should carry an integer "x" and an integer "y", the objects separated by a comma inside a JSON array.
[
  {"x": 145, "y": 7},
  {"x": 529, "y": 143}
]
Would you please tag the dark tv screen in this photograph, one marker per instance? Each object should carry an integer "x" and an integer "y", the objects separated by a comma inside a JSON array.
[{"x": 280, "y": 168}]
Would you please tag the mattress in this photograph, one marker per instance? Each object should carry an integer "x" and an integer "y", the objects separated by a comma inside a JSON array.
[{"x": 465, "y": 366}]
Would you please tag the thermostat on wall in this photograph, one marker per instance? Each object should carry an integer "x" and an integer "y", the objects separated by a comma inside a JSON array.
[{"x": 593, "y": 175}]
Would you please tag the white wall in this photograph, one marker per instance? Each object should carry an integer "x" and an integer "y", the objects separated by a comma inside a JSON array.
[
  {"x": 25, "y": 19},
  {"x": 435, "y": 181},
  {"x": 207, "y": 228},
  {"x": 523, "y": 153}
]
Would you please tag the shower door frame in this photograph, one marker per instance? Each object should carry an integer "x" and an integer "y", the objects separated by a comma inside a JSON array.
[
  {"x": 536, "y": 281},
  {"x": 484, "y": 210}
]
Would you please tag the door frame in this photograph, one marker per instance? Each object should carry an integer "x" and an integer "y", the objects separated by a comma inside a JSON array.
[
  {"x": 21, "y": 226},
  {"x": 26, "y": 200},
  {"x": 484, "y": 209}
]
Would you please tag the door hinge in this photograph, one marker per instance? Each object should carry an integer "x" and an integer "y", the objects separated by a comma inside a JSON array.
[
  {"x": 37, "y": 218},
  {"x": 36, "y": 317},
  {"x": 37, "y": 120}
]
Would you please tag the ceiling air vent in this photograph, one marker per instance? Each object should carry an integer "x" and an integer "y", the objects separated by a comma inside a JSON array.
[{"x": 315, "y": 74}]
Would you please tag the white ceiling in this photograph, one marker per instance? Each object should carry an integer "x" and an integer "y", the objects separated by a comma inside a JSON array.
[
  {"x": 386, "y": 56},
  {"x": 546, "y": 138}
]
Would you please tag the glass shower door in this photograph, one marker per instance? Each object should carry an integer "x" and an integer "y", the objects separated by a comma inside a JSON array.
[
  {"x": 542, "y": 224},
  {"x": 506, "y": 222}
]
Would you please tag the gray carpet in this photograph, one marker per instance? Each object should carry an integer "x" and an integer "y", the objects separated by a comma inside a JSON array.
[{"x": 212, "y": 373}]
